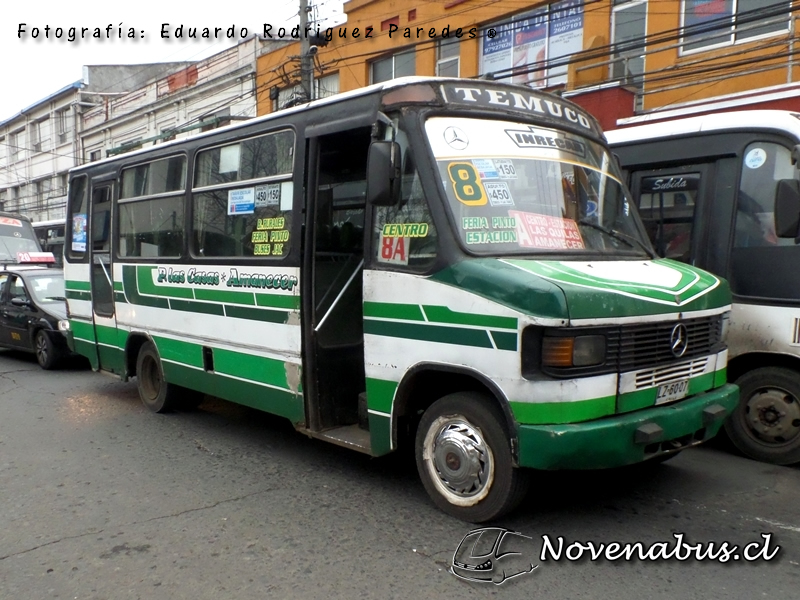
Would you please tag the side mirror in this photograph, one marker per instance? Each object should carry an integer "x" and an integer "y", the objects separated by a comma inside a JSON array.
[
  {"x": 383, "y": 173},
  {"x": 787, "y": 208},
  {"x": 20, "y": 301}
]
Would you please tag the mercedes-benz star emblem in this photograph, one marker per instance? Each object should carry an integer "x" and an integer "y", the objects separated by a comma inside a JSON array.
[
  {"x": 679, "y": 340},
  {"x": 456, "y": 138}
]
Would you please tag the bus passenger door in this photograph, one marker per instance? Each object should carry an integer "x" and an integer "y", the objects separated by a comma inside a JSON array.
[
  {"x": 102, "y": 281},
  {"x": 333, "y": 285}
]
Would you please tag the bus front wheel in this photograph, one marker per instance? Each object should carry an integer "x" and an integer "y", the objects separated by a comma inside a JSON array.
[
  {"x": 154, "y": 391},
  {"x": 766, "y": 423},
  {"x": 463, "y": 455}
]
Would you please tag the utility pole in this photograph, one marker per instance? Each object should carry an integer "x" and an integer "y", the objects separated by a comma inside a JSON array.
[{"x": 306, "y": 60}]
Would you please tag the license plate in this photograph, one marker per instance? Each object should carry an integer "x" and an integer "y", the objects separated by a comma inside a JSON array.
[{"x": 670, "y": 392}]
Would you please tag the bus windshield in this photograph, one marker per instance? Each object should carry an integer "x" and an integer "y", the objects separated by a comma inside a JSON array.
[
  {"x": 16, "y": 236},
  {"x": 516, "y": 188}
]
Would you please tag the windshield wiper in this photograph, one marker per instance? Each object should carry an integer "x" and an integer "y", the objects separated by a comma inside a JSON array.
[
  {"x": 56, "y": 298},
  {"x": 618, "y": 235}
]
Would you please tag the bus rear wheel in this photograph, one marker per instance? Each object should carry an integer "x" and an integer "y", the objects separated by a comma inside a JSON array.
[
  {"x": 154, "y": 391},
  {"x": 463, "y": 455},
  {"x": 766, "y": 423}
]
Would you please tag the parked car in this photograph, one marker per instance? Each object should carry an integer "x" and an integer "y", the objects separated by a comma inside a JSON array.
[{"x": 32, "y": 302}]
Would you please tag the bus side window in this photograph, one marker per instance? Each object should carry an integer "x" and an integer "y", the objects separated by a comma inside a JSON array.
[
  {"x": 667, "y": 203},
  {"x": 764, "y": 164}
]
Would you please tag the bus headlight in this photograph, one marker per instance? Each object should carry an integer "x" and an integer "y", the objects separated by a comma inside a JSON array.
[
  {"x": 63, "y": 326},
  {"x": 578, "y": 351}
]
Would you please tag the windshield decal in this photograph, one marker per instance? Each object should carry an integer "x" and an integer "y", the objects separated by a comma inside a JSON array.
[
  {"x": 543, "y": 231},
  {"x": 533, "y": 137},
  {"x": 466, "y": 183}
]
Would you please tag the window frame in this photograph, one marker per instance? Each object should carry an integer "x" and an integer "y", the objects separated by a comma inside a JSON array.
[
  {"x": 393, "y": 57},
  {"x": 733, "y": 38},
  {"x": 194, "y": 191}
]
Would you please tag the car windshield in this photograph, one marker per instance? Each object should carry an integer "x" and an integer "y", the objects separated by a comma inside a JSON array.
[
  {"x": 47, "y": 287},
  {"x": 16, "y": 236},
  {"x": 517, "y": 189}
]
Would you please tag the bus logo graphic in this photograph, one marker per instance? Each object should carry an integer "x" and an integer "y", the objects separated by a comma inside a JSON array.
[
  {"x": 679, "y": 340},
  {"x": 489, "y": 555},
  {"x": 456, "y": 138}
]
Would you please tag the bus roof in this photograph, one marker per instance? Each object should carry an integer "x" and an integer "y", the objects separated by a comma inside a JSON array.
[
  {"x": 745, "y": 120},
  {"x": 376, "y": 88}
]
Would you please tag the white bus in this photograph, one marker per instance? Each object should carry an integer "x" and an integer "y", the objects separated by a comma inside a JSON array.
[
  {"x": 448, "y": 264},
  {"x": 16, "y": 237},
  {"x": 51, "y": 237},
  {"x": 707, "y": 188}
]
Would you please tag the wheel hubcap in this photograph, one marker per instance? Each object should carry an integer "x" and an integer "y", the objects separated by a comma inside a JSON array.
[
  {"x": 460, "y": 462},
  {"x": 773, "y": 415},
  {"x": 41, "y": 350}
]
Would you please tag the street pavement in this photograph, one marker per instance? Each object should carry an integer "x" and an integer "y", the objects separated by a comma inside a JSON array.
[{"x": 102, "y": 499}]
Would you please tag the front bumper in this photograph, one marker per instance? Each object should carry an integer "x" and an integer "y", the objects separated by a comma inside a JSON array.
[{"x": 627, "y": 438}]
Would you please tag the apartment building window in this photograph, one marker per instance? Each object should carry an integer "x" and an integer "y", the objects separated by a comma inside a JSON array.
[
  {"x": 396, "y": 65},
  {"x": 95, "y": 155},
  {"x": 36, "y": 136},
  {"x": 714, "y": 23},
  {"x": 62, "y": 184},
  {"x": 15, "y": 145},
  {"x": 64, "y": 125},
  {"x": 3, "y": 198},
  {"x": 42, "y": 189},
  {"x": 447, "y": 57},
  {"x": 628, "y": 31}
]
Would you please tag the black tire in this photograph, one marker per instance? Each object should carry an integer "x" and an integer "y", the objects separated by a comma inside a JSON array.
[
  {"x": 766, "y": 423},
  {"x": 46, "y": 354},
  {"x": 467, "y": 427},
  {"x": 155, "y": 393}
]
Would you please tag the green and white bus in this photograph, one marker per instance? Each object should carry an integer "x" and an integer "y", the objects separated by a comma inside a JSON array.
[
  {"x": 707, "y": 188},
  {"x": 444, "y": 263}
]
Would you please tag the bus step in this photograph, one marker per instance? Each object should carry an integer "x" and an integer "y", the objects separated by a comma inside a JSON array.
[{"x": 349, "y": 436}]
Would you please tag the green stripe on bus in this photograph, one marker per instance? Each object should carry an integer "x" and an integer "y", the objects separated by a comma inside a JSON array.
[
  {"x": 380, "y": 435},
  {"x": 442, "y": 314},
  {"x": 72, "y": 284},
  {"x": 257, "y": 314},
  {"x": 429, "y": 333},
  {"x": 388, "y": 310},
  {"x": 179, "y": 351},
  {"x": 144, "y": 277},
  {"x": 82, "y": 329},
  {"x": 106, "y": 335},
  {"x": 435, "y": 314},
  {"x": 551, "y": 413},
  {"x": 196, "y": 307},
  {"x": 380, "y": 394},
  {"x": 225, "y": 296},
  {"x": 132, "y": 290},
  {"x": 278, "y": 301},
  {"x": 504, "y": 340},
  {"x": 120, "y": 297},
  {"x": 258, "y": 369},
  {"x": 278, "y": 402},
  {"x": 72, "y": 295},
  {"x": 118, "y": 286}
]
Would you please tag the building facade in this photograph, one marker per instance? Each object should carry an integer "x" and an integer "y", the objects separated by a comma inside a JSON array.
[
  {"x": 622, "y": 59},
  {"x": 42, "y": 142},
  {"x": 116, "y": 108}
]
